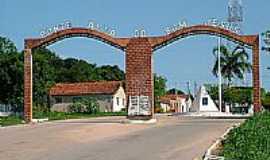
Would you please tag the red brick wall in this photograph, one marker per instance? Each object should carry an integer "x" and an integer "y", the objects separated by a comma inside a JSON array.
[
  {"x": 27, "y": 85},
  {"x": 139, "y": 76},
  {"x": 256, "y": 76}
]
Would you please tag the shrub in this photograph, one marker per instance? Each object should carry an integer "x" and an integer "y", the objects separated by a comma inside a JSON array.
[
  {"x": 85, "y": 105},
  {"x": 250, "y": 141},
  {"x": 76, "y": 107},
  {"x": 91, "y": 104}
]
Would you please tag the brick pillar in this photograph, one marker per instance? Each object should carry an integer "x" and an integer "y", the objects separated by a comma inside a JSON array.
[
  {"x": 139, "y": 76},
  {"x": 256, "y": 76},
  {"x": 27, "y": 85}
]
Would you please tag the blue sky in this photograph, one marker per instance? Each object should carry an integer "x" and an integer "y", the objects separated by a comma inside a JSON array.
[{"x": 189, "y": 59}]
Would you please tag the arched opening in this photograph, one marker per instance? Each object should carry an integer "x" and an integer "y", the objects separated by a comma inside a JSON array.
[
  {"x": 187, "y": 67},
  {"x": 83, "y": 70},
  {"x": 251, "y": 41}
]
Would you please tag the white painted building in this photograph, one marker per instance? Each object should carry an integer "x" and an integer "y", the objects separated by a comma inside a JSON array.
[
  {"x": 203, "y": 102},
  {"x": 110, "y": 95}
]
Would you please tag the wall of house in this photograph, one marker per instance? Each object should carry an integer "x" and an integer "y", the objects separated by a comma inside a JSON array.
[
  {"x": 105, "y": 102},
  {"x": 121, "y": 96},
  {"x": 165, "y": 107}
]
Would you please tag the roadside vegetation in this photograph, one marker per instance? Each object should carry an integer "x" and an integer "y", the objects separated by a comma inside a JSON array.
[
  {"x": 10, "y": 120},
  {"x": 63, "y": 116},
  {"x": 250, "y": 141}
]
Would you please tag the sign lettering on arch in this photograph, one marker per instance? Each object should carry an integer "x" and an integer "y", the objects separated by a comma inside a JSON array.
[
  {"x": 55, "y": 28},
  {"x": 102, "y": 28},
  {"x": 210, "y": 22},
  {"x": 67, "y": 24}
]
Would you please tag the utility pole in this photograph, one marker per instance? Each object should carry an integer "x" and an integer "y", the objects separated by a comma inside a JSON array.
[
  {"x": 195, "y": 88},
  {"x": 219, "y": 76},
  {"x": 188, "y": 87}
]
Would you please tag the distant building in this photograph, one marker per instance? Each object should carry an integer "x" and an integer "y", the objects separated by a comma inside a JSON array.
[
  {"x": 110, "y": 95},
  {"x": 175, "y": 103},
  {"x": 203, "y": 102}
]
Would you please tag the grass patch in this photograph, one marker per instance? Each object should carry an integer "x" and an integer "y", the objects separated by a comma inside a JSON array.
[
  {"x": 250, "y": 141},
  {"x": 62, "y": 116},
  {"x": 15, "y": 120},
  {"x": 10, "y": 120}
]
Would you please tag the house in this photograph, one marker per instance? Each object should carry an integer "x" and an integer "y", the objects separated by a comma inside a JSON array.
[
  {"x": 175, "y": 103},
  {"x": 110, "y": 95},
  {"x": 203, "y": 102}
]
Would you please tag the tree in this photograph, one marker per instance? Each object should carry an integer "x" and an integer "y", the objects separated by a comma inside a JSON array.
[
  {"x": 109, "y": 73},
  {"x": 74, "y": 70},
  {"x": 175, "y": 91},
  {"x": 45, "y": 71},
  {"x": 11, "y": 74},
  {"x": 233, "y": 63},
  {"x": 7, "y": 46},
  {"x": 159, "y": 88}
]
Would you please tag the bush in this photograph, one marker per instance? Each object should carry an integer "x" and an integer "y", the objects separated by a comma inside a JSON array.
[
  {"x": 85, "y": 105},
  {"x": 77, "y": 107},
  {"x": 250, "y": 141}
]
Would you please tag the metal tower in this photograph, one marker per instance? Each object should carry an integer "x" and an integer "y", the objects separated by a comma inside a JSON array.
[
  {"x": 235, "y": 11},
  {"x": 235, "y": 19}
]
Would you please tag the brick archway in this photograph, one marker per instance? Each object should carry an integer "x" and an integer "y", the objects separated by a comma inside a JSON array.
[
  {"x": 139, "y": 63},
  {"x": 32, "y": 43}
]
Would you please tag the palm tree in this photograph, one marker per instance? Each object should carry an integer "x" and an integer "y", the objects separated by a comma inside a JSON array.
[{"x": 233, "y": 63}]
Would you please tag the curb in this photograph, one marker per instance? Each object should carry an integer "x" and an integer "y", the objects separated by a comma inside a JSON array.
[
  {"x": 151, "y": 121},
  {"x": 208, "y": 154}
]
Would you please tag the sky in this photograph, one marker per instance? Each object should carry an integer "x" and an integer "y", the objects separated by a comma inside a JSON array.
[{"x": 187, "y": 60}]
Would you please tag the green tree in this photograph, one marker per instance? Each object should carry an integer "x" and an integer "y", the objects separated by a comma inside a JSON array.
[
  {"x": 11, "y": 74},
  {"x": 74, "y": 70},
  {"x": 7, "y": 46},
  {"x": 109, "y": 73},
  {"x": 45, "y": 69},
  {"x": 175, "y": 91},
  {"x": 233, "y": 63},
  {"x": 159, "y": 88}
]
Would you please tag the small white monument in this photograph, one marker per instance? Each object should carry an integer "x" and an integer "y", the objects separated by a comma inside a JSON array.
[{"x": 203, "y": 102}]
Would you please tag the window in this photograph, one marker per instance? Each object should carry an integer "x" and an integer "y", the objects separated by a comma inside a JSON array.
[
  {"x": 117, "y": 101},
  {"x": 123, "y": 102},
  {"x": 58, "y": 99},
  {"x": 76, "y": 99},
  {"x": 205, "y": 101}
]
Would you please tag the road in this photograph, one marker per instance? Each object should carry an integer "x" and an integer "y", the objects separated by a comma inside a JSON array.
[{"x": 172, "y": 138}]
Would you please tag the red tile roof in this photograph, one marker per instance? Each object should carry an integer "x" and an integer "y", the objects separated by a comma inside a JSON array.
[{"x": 85, "y": 88}]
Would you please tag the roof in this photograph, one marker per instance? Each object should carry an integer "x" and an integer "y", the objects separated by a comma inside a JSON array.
[{"x": 85, "y": 88}]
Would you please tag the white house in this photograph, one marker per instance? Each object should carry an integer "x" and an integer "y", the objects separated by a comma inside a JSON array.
[
  {"x": 203, "y": 102},
  {"x": 110, "y": 95}
]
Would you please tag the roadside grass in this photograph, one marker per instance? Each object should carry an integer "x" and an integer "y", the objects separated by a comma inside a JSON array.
[
  {"x": 250, "y": 141},
  {"x": 52, "y": 116},
  {"x": 62, "y": 116},
  {"x": 10, "y": 120}
]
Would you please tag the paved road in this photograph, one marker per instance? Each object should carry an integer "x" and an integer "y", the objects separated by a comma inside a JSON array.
[{"x": 172, "y": 138}]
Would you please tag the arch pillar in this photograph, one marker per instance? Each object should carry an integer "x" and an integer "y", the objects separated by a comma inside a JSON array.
[
  {"x": 256, "y": 76},
  {"x": 28, "y": 87},
  {"x": 139, "y": 79}
]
